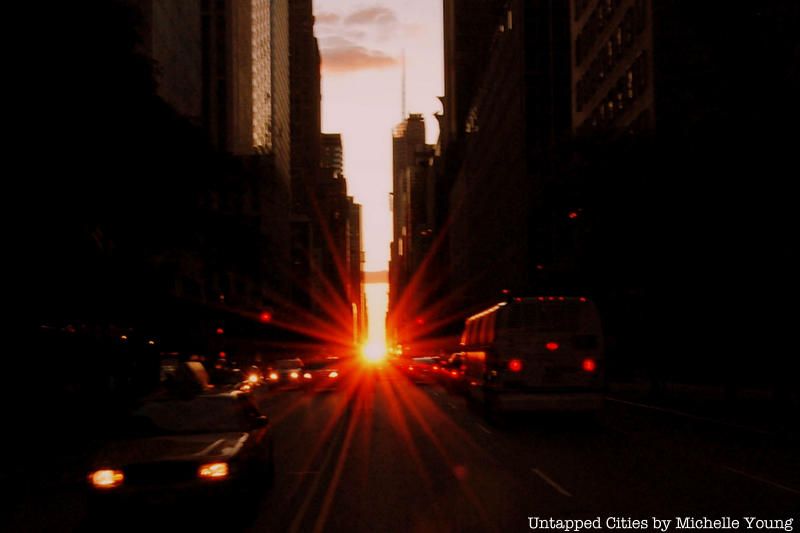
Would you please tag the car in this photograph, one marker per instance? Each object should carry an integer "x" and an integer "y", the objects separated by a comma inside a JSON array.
[
  {"x": 420, "y": 369},
  {"x": 175, "y": 449},
  {"x": 322, "y": 374},
  {"x": 286, "y": 372},
  {"x": 228, "y": 379},
  {"x": 451, "y": 373}
]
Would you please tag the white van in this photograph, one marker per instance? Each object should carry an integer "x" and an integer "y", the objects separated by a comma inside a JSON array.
[{"x": 540, "y": 353}]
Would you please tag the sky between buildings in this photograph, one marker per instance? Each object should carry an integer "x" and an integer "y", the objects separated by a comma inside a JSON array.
[{"x": 362, "y": 46}]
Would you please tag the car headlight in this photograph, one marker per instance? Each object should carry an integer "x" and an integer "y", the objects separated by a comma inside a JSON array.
[
  {"x": 294, "y": 375},
  {"x": 213, "y": 471},
  {"x": 307, "y": 375},
  {"x": 106, "y": 478},
  {"x": 333, "y": 374},
  {"x": 273, "y": 376}
]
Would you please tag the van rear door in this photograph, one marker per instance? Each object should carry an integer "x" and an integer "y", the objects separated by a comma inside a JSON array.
[{"x": 557, "y": 343}]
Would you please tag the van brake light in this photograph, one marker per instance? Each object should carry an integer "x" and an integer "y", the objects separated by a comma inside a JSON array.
[
  {"x": 589, "y": 365},
  {"x": 515, "y": 365}
]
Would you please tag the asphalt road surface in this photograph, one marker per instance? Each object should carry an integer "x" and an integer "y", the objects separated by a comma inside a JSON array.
[{"x": 383, "y": 454}]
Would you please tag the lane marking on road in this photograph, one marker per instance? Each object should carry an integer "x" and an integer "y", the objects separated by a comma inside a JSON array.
[
  {"x": 761, "y": 480},
  {"x": 689, "y": 415},
  {"x": 484, "y": 429},
  {"x": 561, "y": 490}
]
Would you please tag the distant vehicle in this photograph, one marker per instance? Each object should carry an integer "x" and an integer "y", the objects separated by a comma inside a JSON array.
[
  {"x": 253, "y": 378},
  {"x": 323, "y": 374},
  {"x": 420, "y": 369},
  {"x": 451, "y": 373},
  {"x": 228, "y": 379},
  {"x": 538, "y": 353},
  {"x": 178, "y": 449},
  {"x": 286, "y": 372}
]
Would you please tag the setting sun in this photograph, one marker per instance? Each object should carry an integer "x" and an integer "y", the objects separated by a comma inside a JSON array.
[
  {"x": 377, "y": 298},
  {"x": 374, "y": 352}
]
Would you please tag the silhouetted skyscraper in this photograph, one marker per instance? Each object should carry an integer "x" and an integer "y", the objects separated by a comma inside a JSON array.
[{"x": 331, "y": 152}]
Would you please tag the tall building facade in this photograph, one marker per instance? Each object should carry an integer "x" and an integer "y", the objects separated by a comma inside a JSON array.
[
  {"x": 170, "y": 35},
  {"x": 591, "y": 148},
  {"x": 332, "y": 155},
  {"x": 412, "y": 216},
  {"x": 237, "y": 78},
  {"x": 280, "y": 89},
  {"x": 308, "y": 249},
  {"x": 612, "y": 66},
  {"x": 518, "y": 114},
  {"x": 357, "y": 296},
  {"x": 468, "y": 27},
  {"x": 340, "y": 262},
  {"x": 305, "y": 104},
  {"x": 486, "y": 226}
]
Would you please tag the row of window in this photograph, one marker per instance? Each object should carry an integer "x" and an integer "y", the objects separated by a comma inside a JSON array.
[
  {"x": 625, "y": 92},
  {"x": 633, "y": 23},
  {"x": 618, "y": 43}
]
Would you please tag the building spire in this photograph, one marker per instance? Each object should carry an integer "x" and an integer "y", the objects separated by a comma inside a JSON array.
[{"x": 403, "y": 90}]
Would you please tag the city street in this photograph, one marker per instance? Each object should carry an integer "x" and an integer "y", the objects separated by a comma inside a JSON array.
[
  {"x": 291, "y": 266},
  {"x": 383, "y": 454}
]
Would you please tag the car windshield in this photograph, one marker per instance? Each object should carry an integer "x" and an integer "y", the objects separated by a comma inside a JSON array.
[{"x": 202, "y": 414}]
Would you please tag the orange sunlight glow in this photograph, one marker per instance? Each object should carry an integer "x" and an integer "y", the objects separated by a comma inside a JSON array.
[{"x": 374, "y": 352}]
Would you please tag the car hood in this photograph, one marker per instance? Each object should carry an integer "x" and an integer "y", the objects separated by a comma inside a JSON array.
[{"x": 209, "y": 446}]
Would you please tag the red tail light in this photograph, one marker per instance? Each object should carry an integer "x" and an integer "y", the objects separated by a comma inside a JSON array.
[
  {"x": 552, "y": 346},
  {"x": 515, "y": 365},
  {"x": 589, "y": 365}
]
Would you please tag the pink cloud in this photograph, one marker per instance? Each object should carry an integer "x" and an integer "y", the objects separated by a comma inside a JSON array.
[
  {"x": 372, "y": 15},
  {"x": 326, "y": 18},
  {"x": 353, "y": 58}
]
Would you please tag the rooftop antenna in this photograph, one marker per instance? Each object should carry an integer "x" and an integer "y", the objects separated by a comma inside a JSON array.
[{"x": 403, "y": 89}]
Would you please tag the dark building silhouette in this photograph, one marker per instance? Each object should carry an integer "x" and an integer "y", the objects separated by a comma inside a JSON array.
[
  {"x": 468, "y": 29},
  {"x": 304, "y": 76},
  {"x": 593, "y": 150},
  {"x": 332, "y": 155},
  {"x": 305, "y": 96},
  {"x": 357, "y": 295},
  {"x": 171, "y": 36},
  {"x": 179, "y": 221},
  {"x": 499, "y": 227},
  {"x": 612, "y": 67},
  {"x": 413, "y": 217},
  {"x": 245, "y": 114},
  {"x": 341, "y": 264}
]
